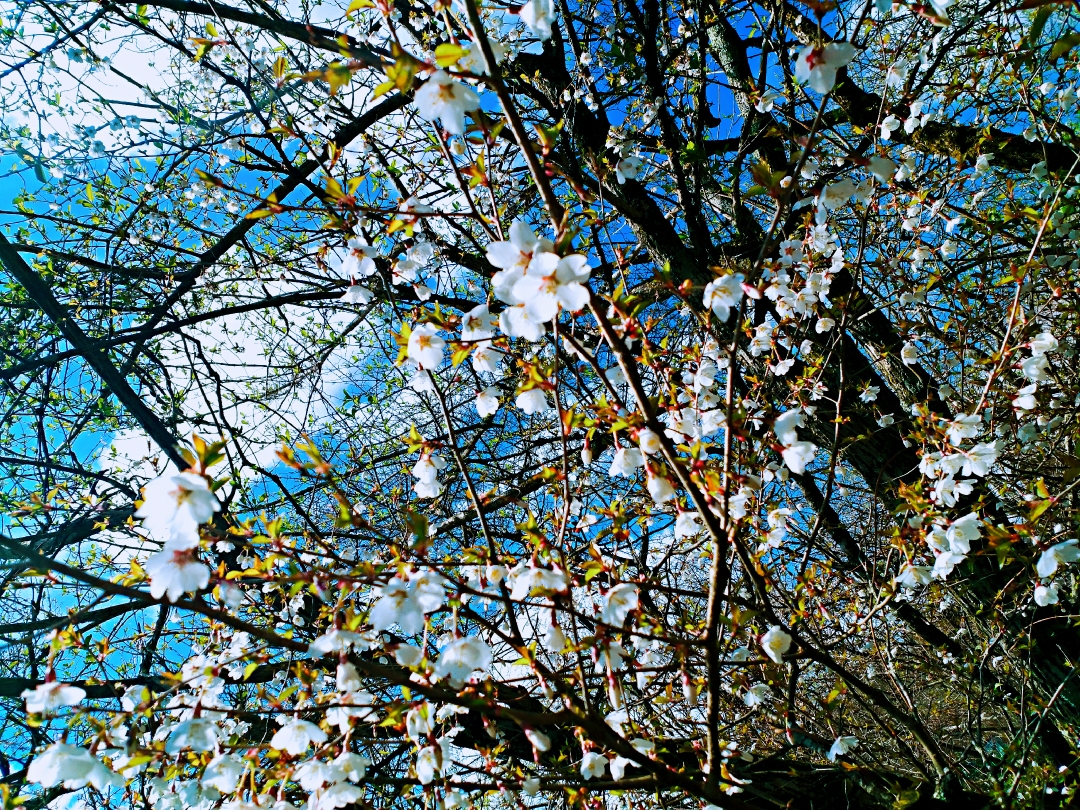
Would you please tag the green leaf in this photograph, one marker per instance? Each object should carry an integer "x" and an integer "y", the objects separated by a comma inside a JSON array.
[
  {"x": 1064, "y": 45},
  {"x": 448, "y": 53},
  {"x": 1038, "y": 22},
  {"x": 418, "y": 525},
  {"x": 905, "y": 798},
  {"x": 337, "y": 76},
  {"x": 592, "y": 568},
  {"x": 1038, "y": 507}
]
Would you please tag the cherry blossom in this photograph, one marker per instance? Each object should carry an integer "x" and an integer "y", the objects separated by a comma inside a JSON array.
[
  {"x": 593, "y": 765},
  {"x": 336, "y": 640},
  {"x": 71, "y": 766},
  {"x": 619, "y": 602},
  {"x": 296, "y": 736},
  {"x": 426, "y": 346},
  {"x": 687, "y": 524},
  {"x": 648, "y": 442},
  {"x": 532, "y": 401},
  {"x": 199, "y": 734},
  {"x": 722, "y": 294},
  {"x": 1059, "y": 554},
  {"x": 175, "y": 505},
  {"x": 625, "y": 461},
  {"x": 357, "y": 294},
  {"x": 472, "y": 60},
  {"x": 775, "y": 643},
  {"x": 354, "y": 261},
  {"x": 818, "y": 65},
  {"x": 223, "y": 772},
  {"x": 888, "y": 126},
  {"x": 796, "y": 454},
  {"x": 526, "y": 579},
  {"x": 757, "y": 695},
  {"x": 628, "y": 168},
  {"x": 768, "y": 100},
  {"x": 513, "y": 256},
  {"x": 47, "y": 697},
  {"x": 785, "y": 426},
  {"x": 487, "y": 401},
  {"x": 540, "y": 741},
  {"x": 174, "y": 570},
  {"x": 551, "y": 283},
  {"x": 426, "y": 471},
  {"x": 460, "y": 658},
  {"x": 449, "y": 586},
  {"x": 1046, "y": 595},
  {"x": 519, "y": 321},
  {"x": 539, "y": 15},
  {"x": 841, "y": 746},
  {"x": 660, "y": 489},
  {"x": 447, "y": 99},
  {"x": 428, "y": 764},
  {"x": 554, "y": 639}
]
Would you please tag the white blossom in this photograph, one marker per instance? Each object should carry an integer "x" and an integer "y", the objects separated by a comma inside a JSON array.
[
  {"x": 398, "y": 604},
  {"x": 660, "y": 489},
  {"x": 428, "y": 764},
  {"x": 551, "y": 283},
  {"x": 354, "y": 261},
  {"x": 593, "y": 765},
  {"x": 628, "y": 168},
  {"x": 460, "y": 658},
  {"x": 818, "y": 65},
  {"x": 487, "y": 401},
  {"x": 46, "y": 698},
  {"x": 768, "y": 100},
  {"x": 775, "y": 643},
  {"x": 532, "y": 401},
  {"x": 513, "y": 256},
  {"x": 71, "y": 766},
  {"x": 357, "y": 294},
  {"x": 174, "y": 571},
  {"x": 887, "y": 127},
  {"x": 425, "y": 346},
  {"x": 882, "y": 168},
  {"x": 297, "y": 736},
  {"x": 798, "y": 455},
  {"x": 722, "y": 294},
  {"x": 618, "y": 604},
  {"x": 539, "y": 15},
  {"x": 223, "y": 772},
  {"x": 648, "y": 441},
  {"x": 1046, "y": 595},
  {"x": 964, "y": 426},
  {"x": 525, "y": 579},
  {"x": 1057, "y": 555},
  {"x": 625, "y": 461},
  {"x": 175, "y": 505},
  {"x": 198, "y": 734},
  {"x": 841, "y": 746},
  {"x": 540, "y": 741},
  {"x": 756, "y": 695},
  {"x": 687, "y": 524},
  {"x": 785, "y": 426},
  {"x": 447, "y": 99}
]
